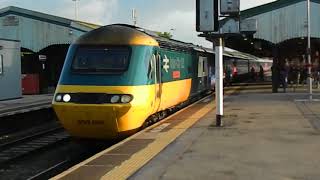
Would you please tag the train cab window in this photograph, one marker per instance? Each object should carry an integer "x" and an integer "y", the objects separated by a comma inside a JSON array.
[
  {"x": 151, "y": 67},
  {"x": 101, "y": 59}
]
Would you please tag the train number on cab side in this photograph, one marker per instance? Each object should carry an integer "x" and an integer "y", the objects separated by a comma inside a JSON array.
[{"x": 90, "y": 122}]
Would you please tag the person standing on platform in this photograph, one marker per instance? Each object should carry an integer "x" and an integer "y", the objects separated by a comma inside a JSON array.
[
  {"x": 253, "y": 74},
  {"x": 234, "y": 73},
  {"x": 261, "y": 73},
  {"x": 317, "y": 69},
  {"x": 227, "y": 76},
  {"x": 284, "y": 78},
  {"x": 275, "y": 68}
]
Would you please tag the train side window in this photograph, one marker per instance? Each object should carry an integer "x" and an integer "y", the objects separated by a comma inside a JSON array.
[
  {"x": 1, "y": 64},
  {"x": 202, "y": 66},
  {"x": 150, "y": 70},
  {"x": 158, "y": 68},
  {"x": 151, "y": 67},
  {"x": 205, "y": 66}
]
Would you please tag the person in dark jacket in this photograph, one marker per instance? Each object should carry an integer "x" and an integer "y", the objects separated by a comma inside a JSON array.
[
  {"x": 253, "y": 74},
  {"x": 261, "y": 73},
  {"x": 284, "y": 78}
]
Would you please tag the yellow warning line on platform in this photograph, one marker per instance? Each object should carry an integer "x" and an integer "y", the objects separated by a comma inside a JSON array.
[
  {"x": 139, "y": 159},
  {"x": 129, "y": 167}
]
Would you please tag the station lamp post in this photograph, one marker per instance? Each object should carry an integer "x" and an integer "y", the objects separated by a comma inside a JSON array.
[
  {"x": 76, "y": 9},
  {"x": 309, "y": 51},
  {"x": 134, "y": 16},
  {"x": 172, "y": 31},
  {"x": 207, "y": 22}
]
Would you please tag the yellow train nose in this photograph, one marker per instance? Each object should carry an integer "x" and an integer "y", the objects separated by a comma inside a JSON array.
[
  {"x": 88, "y": 121},
  {"x": 99, "y": 121},
  {"x": 93, "y": 113}
]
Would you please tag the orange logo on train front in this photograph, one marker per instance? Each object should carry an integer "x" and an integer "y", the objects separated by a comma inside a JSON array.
[{"x": 176, "y": 74}]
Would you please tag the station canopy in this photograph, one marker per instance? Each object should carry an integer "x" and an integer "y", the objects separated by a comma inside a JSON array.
[
  {"x": 282, "y": 27},
  {"x": 37, "y": 30}
]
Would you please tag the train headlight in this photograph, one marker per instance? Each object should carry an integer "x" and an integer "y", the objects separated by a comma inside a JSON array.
[
  {"x": 115, "y": 99},
  {"x": 126, "y": 98},
  {"x": 59, "y": 98},
  {"x": 66, "y": 98}
]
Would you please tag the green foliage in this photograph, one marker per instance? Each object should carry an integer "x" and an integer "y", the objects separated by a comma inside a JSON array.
[{"x": 165, "y": 35}]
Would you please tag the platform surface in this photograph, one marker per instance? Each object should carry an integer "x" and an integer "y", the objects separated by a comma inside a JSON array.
[
  {"x": 25, "y": 104},
  {"x": 265, "y": 136}
]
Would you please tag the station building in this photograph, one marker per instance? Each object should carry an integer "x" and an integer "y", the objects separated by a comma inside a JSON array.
[
  {"x": 44, "y": 40},
  {"x": 10, "y": 69}
]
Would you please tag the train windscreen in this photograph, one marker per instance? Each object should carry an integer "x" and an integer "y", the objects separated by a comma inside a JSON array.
[{"x": 101, "y": 59}]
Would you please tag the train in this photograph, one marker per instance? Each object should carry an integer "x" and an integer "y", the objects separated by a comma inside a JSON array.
[
  {"x": 118, "y": 77},
  {"x": 247, "y": 69}
]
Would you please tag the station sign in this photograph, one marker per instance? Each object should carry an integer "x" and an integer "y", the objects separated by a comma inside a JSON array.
[
  {"x": 229, "y": 7},
  {"x": 42, "y": 58},
  {"x": 10, "y": 21},
  {"x": 231, "y": 26},
  {"x": 207, "y": 16},
  {"x": 249, "y": 25}
]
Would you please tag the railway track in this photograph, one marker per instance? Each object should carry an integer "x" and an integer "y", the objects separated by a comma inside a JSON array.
[
  {"x": 52, "y": 171},
  {"x": 20, "y": 147},
  {"x": 23, "y": 122}
]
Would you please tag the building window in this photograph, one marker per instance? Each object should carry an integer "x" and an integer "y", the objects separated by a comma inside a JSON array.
[{"x": 1, "y": 64}]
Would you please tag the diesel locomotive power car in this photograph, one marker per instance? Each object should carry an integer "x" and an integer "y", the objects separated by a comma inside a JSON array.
[{"x": 116, "y": 77}]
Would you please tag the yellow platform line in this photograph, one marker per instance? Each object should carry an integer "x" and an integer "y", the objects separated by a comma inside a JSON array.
[
  {"x": 138, "y": 160},
  {"x": 130, "y": 166}
]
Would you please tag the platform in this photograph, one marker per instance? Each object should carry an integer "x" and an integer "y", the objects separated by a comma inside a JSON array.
[
  {"x": 25, "y": 104},
  {"x": 265, "y": 136}
]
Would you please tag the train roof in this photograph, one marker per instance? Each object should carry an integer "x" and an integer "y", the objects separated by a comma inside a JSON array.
[
  {"x": 168, "y": 43},
  {"x": 132, "y": 35},
  {"x": 116, "y": 35},
  {"x": 180, "y": 45}
]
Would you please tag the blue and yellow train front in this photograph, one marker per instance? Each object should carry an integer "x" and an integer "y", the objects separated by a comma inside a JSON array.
[{"x": 104, "y": 90}]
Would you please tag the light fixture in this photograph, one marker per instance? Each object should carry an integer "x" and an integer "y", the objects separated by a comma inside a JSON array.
[
  {"x": 66, "y": 98},
  {"x": 115, "y": 99},
  {"x": 58, "y": 98},
  {"x": 126, "y": 98}
]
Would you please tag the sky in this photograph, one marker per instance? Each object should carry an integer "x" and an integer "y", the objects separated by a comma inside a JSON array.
[{"x": 174, "y": 16}]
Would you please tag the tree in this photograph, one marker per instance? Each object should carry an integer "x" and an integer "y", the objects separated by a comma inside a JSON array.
[{"x": 165, "y": 35}]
